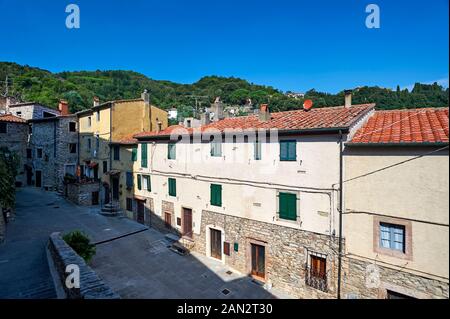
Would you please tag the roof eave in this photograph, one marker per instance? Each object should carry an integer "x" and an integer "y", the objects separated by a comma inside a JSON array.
[{"x": 391, "y": 144}]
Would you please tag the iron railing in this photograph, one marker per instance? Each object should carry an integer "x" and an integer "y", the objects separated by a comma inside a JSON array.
[{"x": 316, "y": 279}]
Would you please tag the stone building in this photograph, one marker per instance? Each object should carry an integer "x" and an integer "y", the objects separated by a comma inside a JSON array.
[
  {"x": 257, "y": 193},
  {"x": 54, "y": 149},
  {"x": 14, "y": 136},
  {"x": 30, "y": 110},
  {"x": 397, "y": 206},
  {"x": 101, "y": 126}
]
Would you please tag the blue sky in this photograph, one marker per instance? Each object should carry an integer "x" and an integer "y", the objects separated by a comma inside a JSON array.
[{"x": 291, "y": 45}]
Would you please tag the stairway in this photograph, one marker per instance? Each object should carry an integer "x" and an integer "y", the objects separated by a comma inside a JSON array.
[{"x": 111, "y": 209}]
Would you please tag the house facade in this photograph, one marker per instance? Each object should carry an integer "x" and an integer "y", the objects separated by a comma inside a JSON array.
[
  {"x": 397, "y": 207},
  {"x": 14, "y": 136},
  {"x": 101, "y": 126},
  {"x": 252, "y": 192},
  {"x": 30, "y": 110},
  {"x": 52, "y": 151}
]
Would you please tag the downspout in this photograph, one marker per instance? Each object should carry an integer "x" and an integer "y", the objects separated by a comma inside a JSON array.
[{"x": 340, "y": 213}]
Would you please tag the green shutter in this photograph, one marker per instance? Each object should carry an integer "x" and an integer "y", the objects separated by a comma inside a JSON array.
[
  {"x": 257, "y": 150},
  {"x": 171, "y": 151},
  {"x": 172, "y": 187},
  {"x": 287, "y": 206},
  {"x": 288, "y": 150},
  {"x": 216, "y": 195},
  {"x": 134, "y": 154},
  {"x": 149, "y": 186},
  {"x": 139, "y": 181},
  {"x": 144, "y": 155}
]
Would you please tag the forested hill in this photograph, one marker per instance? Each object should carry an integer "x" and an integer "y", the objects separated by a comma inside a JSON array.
[{"x": 34, "y": 84}]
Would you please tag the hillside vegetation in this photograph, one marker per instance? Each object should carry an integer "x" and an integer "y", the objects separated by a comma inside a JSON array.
[{"x": 79, "y": 88}]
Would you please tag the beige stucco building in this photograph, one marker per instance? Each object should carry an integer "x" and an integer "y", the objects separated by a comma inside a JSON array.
[{"x": 397, "y": 206}]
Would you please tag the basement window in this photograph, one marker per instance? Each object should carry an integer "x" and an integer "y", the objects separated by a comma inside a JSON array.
[{"x": 72, "y": 148}]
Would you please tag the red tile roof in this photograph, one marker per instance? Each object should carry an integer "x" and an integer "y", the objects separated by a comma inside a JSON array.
[
  {"x": 127, "y": 140},
  {"x": 329, "y": 117},
  {"x": 12, "y": 119},
  {"x": 427, "y": 125}
]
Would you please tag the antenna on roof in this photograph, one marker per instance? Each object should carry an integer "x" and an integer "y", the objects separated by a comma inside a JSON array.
[{"x": 307, "y": 105}]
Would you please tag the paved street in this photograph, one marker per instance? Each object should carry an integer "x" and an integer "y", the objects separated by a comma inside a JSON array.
[{"x": 136, "y": 266}]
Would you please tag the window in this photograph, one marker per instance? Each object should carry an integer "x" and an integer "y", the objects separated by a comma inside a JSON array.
[
  {"x": 257, "y": 150},
  {"x": 144, "y": 155},
  {"x": 146, "y": 182},
  {"x": 288, "y": 150},
  {"x": 19, "y": 114},
  {"x": 3, "y": 127},
  {"x": 39, "y": 153},
  {"x": 97, "y": 142},
  {"x": 171, "y": 151},
  {"x": 89, "y": 121},
  {"x": 98, "y": 116},
  {"x": 392, "y": 236},
  {"x": 72, "y": 148},
  {"x": 316, "y": 274},
  {"x": 129, "y": 204},
  {"x": 105, "y": 167},
  {"x": 216, "y": 195},
  {"x": 72, "y": 127},
  {"x": 216, "y": 149},
  {"x": 89, "y": 144},
  {"x": 287, "y": 205},
  {"x": 139, "y": 181},
  {"x": 116, "y": 150},
  {"x": 29, "y": 154},
  {"x": 129, "y": 177},
  {"x": 134, "y": 154},
  {"x": 172, "y": 187}
]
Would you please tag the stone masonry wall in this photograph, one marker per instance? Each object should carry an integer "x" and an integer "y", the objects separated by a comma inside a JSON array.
[
  {"x": 363, "y": 279},
  {"x": 286, "y": 251},
  {"x": 63, "y": 157},
  {"x": 91, "y": 286},
  {"x": 81, "y": 194},
  {"x": 16, "y": 141},
  {"x": 2, "y": 226},
  {"x": 43, "y": 136}
]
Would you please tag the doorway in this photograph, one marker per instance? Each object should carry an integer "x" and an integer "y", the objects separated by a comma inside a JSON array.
[
  {"x": 115, "y": 188},
  {"x": 258, "y": 261},
  {"x": 95, "y": 198},
  {"x": 38, "y": 178},
  {"x": 140, "y": 212},
  {"x": 106, "y": 190},
  {"x": 216, "y": 243},
  {"x": 187, "y": 222},
  {"x": 29, "y": 176},
  {"x": 168, "y": 220}
]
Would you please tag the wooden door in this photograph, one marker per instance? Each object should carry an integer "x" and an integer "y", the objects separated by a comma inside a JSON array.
[
  {"x": 187, "y": 222},
  {"x": 168, "y": 219},
  {"x": 216, "y": 243},
  {"x": 107, "y": 195},
  {"x": 38, "y": 179},
  {"x": 115, "y": 183},
  {"x": 258, "y": 261},
  {"x": 140, "y": 212}
]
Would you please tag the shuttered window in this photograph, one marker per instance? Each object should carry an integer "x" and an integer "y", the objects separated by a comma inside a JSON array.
[
  {"x": 216, "y": 195},
  {"x": 172, "y": 187},
  {"x": 144, "y": 155},
  {"x": 216, "y": 149},
  {"x": 129, "y": 179},
  {"x": 288, "y": 150},
  {"x": 134, "y": 154},
  {"x": 139, "y": 181},
  {"x": 147, "y": 185},
  {"x": 226, "y": 248},
  {"x": 117, "y": 153},
  {"x": 287, "y": 205},
  {"x": 171, "y": 151}
]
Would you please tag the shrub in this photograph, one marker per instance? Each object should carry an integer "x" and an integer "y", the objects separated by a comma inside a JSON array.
[{"x": 81, "y": 244}]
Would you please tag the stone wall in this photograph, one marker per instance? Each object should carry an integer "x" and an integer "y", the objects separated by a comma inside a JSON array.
[
  {"x": 286, "y": 249},
  {"x": 63, "y": 157},
  {"x": 43, "y": 137},
  {"x": 91, "y": 286},
  {"x": 16, "y": 140},
  {"x": 81, "y": 194},
  {"x": 2, "y": 226},
  {"x": 366, "y": 280}
]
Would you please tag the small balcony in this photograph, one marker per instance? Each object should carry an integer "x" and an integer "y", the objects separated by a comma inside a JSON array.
[{"x": 316, "y": 279}]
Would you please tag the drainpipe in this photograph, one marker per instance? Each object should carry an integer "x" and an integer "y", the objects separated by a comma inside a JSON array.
[{"x": 340, "y": 213}]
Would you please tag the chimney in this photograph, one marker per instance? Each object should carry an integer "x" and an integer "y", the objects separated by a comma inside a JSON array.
[
  {"x": 145, "y": 96},
  {"x": 217, "y": 108},
  {"x": 63, "y": 107},
  {"x": 264, "y": 114},
  {"x": 96, "y": 101},
  {"x": 348, "y": 98},
  {"x": 205, "y": 118}
]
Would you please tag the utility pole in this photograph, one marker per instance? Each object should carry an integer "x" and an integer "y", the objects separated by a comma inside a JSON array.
[{"x": 341, "y": 198}]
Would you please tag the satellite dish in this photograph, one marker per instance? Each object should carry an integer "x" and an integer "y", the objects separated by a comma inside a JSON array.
[{"x": 307, "y": 105}]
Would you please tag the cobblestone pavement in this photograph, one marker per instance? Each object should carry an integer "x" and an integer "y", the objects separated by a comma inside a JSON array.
[{"x": 136, "y": 266}]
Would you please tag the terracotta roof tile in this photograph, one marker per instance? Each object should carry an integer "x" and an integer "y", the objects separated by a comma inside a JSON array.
[
  {"x": 426, "y": 125},
  {"x": 329, "y": 117},
  {"x": 12, "y": 119}
]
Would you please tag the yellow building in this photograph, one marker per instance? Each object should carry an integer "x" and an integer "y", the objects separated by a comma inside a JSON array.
[{"x": 100, "y": 128}]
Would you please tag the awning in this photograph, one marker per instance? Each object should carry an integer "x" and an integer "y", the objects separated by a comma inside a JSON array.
[{"x": 113, "y": 172}]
